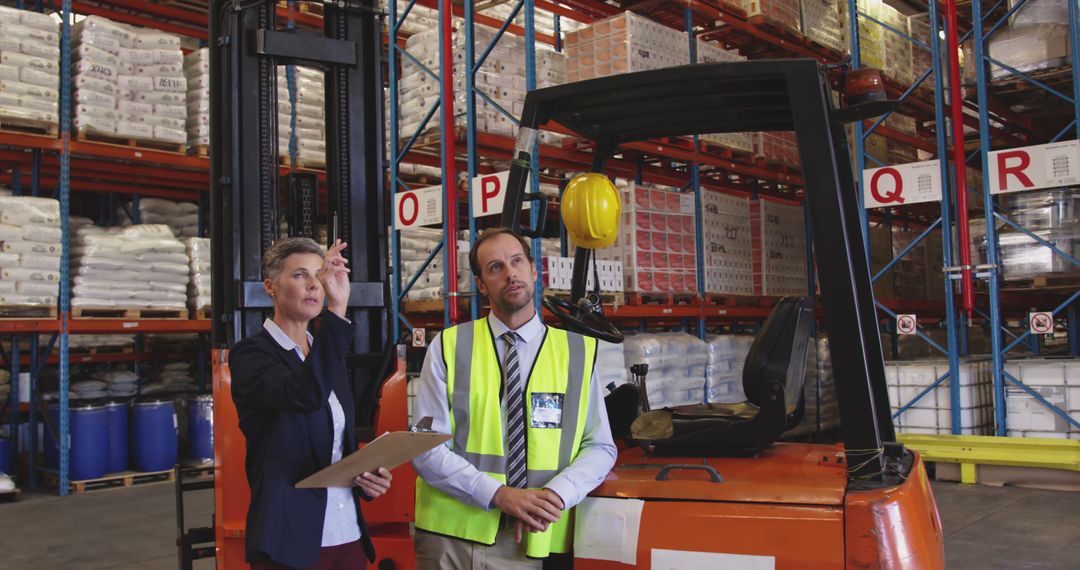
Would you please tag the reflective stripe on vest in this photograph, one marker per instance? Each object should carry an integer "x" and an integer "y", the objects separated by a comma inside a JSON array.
[{"x": 563, "y": 367}]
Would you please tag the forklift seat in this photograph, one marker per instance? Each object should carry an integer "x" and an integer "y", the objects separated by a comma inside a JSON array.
[{"x": 772, "y": 380}]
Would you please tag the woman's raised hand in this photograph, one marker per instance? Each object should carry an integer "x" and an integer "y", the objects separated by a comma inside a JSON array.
[{"x": 334, "y": 276}]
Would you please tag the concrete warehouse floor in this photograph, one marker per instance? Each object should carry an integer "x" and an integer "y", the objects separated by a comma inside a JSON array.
[{"x": 985, "y": 527}]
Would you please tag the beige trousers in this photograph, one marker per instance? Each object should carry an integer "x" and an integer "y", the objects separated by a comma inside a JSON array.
[{"x": 437, "y": 552}]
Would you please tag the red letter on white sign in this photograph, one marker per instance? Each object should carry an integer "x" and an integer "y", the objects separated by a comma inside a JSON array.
[
  {"x": 887, "y": 197},
  {"x": 408, "y": 220},
  {"x": 1017, "y": 170},
  {"x": 489, "y": 188}
]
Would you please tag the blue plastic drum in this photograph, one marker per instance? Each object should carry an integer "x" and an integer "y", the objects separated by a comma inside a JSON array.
[
  {"x": 6, "y": 456},
  {"x": 153, "y": 435},
  {"x": 200, "y": 421},
  {"x": 88, "y": 456},
  {"x": 118, "y": 436}
]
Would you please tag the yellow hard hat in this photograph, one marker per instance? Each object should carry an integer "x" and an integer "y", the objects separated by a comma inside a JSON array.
[{"x": 590, "y": 210}]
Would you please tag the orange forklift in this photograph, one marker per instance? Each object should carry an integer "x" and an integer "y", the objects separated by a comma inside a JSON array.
[{"x": 708, "y": 486}]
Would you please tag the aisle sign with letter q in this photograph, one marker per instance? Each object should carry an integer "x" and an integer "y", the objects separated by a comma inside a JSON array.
[{"x": 902, "y": 184}]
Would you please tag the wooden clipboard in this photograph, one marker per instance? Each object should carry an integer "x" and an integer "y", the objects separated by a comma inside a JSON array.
[{"x": 388, "y": 450}]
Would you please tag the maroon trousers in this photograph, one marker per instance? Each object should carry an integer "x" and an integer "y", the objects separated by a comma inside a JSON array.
[{"x": 348, "y": 556}]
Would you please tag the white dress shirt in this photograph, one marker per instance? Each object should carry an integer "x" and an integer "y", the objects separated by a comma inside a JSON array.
[
  {"x": 455, "y": 476},
  {"x": 339, "y": 521}
]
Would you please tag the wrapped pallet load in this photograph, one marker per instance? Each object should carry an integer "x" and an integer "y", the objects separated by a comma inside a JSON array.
[
  {"x": 676, "y": 363},
  {"x": 724, "y": 367}
]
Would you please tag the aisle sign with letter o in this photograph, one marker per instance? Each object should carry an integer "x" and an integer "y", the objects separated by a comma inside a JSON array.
[{"x": 418, "y": 208}]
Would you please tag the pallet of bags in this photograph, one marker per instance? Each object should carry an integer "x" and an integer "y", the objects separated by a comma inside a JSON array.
[
  {"x": 137, "y": 271},
  {"x": 171, "y": 377},
  {"x": 29, "y": 71},
  {"x": 30, "y": 250},
  {"x": 119, "y": 382},
  {"x": 129, "y": 83},
  {"x": 181, "y": 217},
  {"x": 310, "y": 133}
]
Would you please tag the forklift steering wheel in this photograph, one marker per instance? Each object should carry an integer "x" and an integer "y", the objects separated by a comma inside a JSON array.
[{"x": 580, "y": 317}]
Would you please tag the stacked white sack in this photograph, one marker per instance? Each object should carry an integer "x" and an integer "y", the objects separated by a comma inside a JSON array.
[
  {"x": 30, "y": 249},
  {"x": 198, "y": 251},
  {"x": 137, "y": 267},
  {"x": 676, "y": 367},
  {"x": 181, "y": 217},
  {"x": 197, "y": 72},
  {"x": 29, "y": 69},
  {"x": 310, "y": 115},
  {"x": 129, "y": 82}
]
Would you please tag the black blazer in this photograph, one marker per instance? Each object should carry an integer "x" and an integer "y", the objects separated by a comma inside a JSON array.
[{"x": 286, "y": 420}]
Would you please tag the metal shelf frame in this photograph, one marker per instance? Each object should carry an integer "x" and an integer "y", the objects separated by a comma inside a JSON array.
[
  {"x": 401, "y": 151},
  {"x": 983, "y": 29},
  {"x": 64, "y": 165},
  {"x": 946, "y": 219},
  {"x": 952, "y": 206},
  {"x": 686, "y": 173}
]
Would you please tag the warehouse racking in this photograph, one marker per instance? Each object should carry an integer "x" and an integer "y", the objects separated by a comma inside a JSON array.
[
  {"x": 40, "y": 162},
  {"x": 931, "y": 96}
]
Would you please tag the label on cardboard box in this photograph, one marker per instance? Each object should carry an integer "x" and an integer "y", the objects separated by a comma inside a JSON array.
[
  {"x": 676, "y": 282},
  {"x": 660, "y": 241},
  {"x": 644, "y": 281},
  {"x": 660, "y": 260},
  {"x": 674, "y": 223},
  {"x": 658, "y": 200},
  {"x": 644, "y": 239},
  {"x": 662, "y": 281}
]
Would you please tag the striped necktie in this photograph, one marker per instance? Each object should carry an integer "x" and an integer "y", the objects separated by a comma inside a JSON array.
[{"x": 515, "y": 415}]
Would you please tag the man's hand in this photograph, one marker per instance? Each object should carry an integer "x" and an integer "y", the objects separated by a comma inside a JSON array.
[
  {"x": 334, "y": 276},
  {"x": 374, "y": 484},
  {"x": 535, "y": 510}
]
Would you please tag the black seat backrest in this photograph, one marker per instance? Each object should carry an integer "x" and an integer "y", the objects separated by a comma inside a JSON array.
[{"x": 779, "y": 352}]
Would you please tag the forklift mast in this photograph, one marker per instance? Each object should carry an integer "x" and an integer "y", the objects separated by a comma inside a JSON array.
[
  {"x": 253, "y": 204},
  {"x": 248, "y": 44}
]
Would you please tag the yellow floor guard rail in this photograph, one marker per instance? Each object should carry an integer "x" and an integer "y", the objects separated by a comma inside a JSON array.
[{"x": 972, "y": 450}]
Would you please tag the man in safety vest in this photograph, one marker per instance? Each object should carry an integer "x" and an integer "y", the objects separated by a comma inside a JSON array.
[{"x": 530, "y": 431}]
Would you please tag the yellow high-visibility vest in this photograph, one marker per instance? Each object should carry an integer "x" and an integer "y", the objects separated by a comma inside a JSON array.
[{"x": 474, "y": 379}]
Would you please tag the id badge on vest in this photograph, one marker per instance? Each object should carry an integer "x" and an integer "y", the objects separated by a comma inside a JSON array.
[{"x": 546, "y": 410}]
